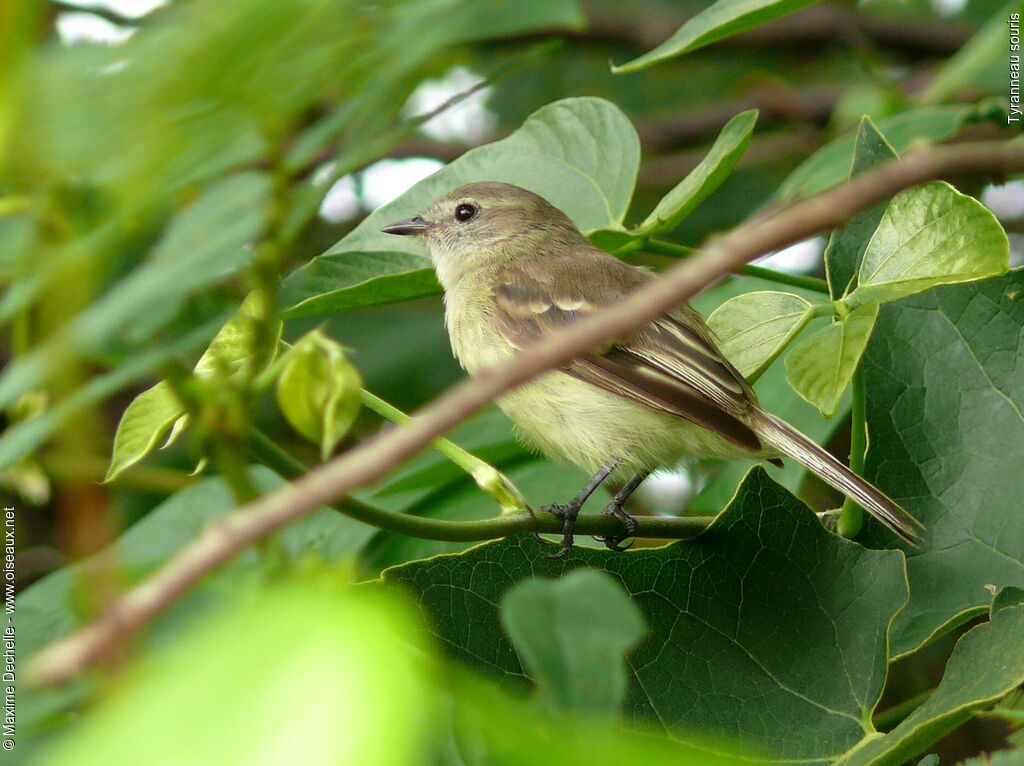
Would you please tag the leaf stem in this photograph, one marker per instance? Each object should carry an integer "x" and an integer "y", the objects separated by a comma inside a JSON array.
[
  {"x": 852, "y": 517},
  {"x": 672, "y": 250},
  {"x": 487, "y": 477}
]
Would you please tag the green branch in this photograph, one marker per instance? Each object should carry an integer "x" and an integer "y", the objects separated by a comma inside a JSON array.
[
  {"x": 265, "y": 451},
  {"x": 660, "y": 247},
  {"x": 852, "y": 516}
]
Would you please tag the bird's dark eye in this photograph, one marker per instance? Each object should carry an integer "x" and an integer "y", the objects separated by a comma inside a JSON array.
[{"x": 465, "y": 211}]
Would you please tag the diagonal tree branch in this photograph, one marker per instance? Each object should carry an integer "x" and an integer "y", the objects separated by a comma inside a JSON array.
[{"x": 367, "y": 463}]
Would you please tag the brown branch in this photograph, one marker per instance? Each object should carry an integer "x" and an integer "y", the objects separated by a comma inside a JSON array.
[{"x": 367, "y": 463}]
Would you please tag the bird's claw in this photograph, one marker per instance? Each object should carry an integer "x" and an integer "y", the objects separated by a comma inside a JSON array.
[
  {"x": 567, "y": 512},
  {"x": 629, "y": 524}
]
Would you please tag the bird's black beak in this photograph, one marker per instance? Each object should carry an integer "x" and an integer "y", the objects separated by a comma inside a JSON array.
[{"x": 410, "y": 226}]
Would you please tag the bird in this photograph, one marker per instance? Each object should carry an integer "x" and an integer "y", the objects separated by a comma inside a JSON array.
[{"x": 514, "y": 268}]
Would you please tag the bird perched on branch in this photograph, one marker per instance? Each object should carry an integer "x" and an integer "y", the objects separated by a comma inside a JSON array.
[{"x": 514, "y": 268}]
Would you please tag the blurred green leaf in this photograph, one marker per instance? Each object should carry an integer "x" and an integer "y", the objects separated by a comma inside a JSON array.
[
  {"x": 754, "y": 327},
  {"x": 929, "y": 236},
  {"x": 494, "y": 729},
  {"x": 49, "y": 608},
  {"x": 21, "y": 438},
  {"x": 985, "y": 51},
  {"x": 207, "y": 241},
  {"x": 144, "y": 423},
  {"x": 766, "y": 627},
  {"x": 572, "y": 634},
  {"x": 944, "y": 403},
  {"x": 831, "y": 164},
  {"x": 318, "y": 390},
  {"x": 987, "y": 663},
  {"x": 716, "y": 166},
  {"x": 846, "y": 245},
  {"x": 343, "y": 281},
  {"x": 344, "y": 668},
  {"x": 721, "y": 19},
  {"x": 501, "y": 18},
  {"x": 155, "y": 410},
  {"x": 820, "y": 367}
]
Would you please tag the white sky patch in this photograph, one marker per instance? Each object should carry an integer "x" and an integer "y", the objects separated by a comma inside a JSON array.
[
  {"x": 75, "y": 28},
  {"x": 666, "y": 491},
  {"x": 469, "y": 121},
  {"x": 130, "y": 9},
  {"x": 946, "y": 8},
  {"x": 341, "y": 202},
  {"x": 796, "y": 259},
  {"x": 385, "y": 180},
  {"x": 1006, "y": 201}
]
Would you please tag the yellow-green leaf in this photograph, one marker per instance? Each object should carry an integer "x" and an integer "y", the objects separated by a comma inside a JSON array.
[
  {"x": 319, "y": 390},
  {"x": 929, "y": 236},
  {"x": 753, "y": 328},
  {"x": 143, "y": 424},
  {"x": 820, "y": 367}
]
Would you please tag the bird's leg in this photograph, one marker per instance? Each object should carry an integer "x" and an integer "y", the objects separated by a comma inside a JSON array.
[
  {"x": 614, "y": 508},
  {"x": 568, "y": 512}
]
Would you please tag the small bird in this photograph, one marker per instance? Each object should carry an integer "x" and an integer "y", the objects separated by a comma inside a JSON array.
[{"x": 514, "y": 268}]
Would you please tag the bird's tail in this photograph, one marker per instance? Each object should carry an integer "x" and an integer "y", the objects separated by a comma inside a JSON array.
[{"x": 805, "y": 451}]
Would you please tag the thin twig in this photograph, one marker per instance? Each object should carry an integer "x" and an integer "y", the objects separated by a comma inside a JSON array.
[{"x": 368, "y": 462}]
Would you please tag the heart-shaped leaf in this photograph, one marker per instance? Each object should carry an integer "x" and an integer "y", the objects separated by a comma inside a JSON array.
[
  {"x": 754, "y": 327},
  {"x": 581, "y": 154},
  {"x": 929, "y": 236}
]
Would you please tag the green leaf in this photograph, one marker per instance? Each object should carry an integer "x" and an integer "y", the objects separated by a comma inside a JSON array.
[
  {"x": 944, "y": 403},
  {"x": 572, "y": 634},
  {"x": 155, "y": 410},
  {"x": 846, "y": 245},
  {"x": 343, "y": 281},
  {"x": 820, "y": 367},
  {"x": 581, "y": 154},
  {"x": 230, "y": 351},
  {"x": 143, "y": 424},
  {"x": 318, "y": 390},
  {"x": 343, "y": 669},
  {"x": 929, "y": 236},
  {"x": 775, "y": 395},
  {"x": 831, "y": 164},
  {"x": 48, "y": 609},
  {"x": 25, "y": 436},
  {"x": 482, "y": 21},
  {"x": 986, "y": 664},
  {"x": 702, "y": 180},
  {"x": 491, "y": 728},
  {"x": 204, "y": 243},
  {"x": 754, "y": 327},
  {"x": 721, "y": 19},
  {"x": 984, "y": 51},
  {"x": 765, "y": 628}
]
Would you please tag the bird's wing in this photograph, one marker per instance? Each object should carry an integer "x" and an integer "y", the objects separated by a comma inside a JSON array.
[{"x": 670, "y": 365}]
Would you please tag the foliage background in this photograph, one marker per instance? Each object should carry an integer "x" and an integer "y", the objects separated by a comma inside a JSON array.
[{"x": 137, "y": 216}]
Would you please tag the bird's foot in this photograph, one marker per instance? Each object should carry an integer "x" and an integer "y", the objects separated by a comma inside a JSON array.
[
  {"x": 567, "y": 512},
  {"x": 629, "y": 525}
]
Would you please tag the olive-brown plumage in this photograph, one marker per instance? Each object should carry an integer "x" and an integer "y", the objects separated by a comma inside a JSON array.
[{"x": 514, "y": 267}]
